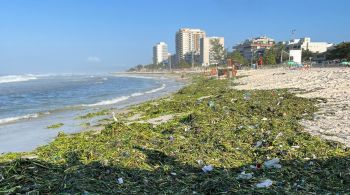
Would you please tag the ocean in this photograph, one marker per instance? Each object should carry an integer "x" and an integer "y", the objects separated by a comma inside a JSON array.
[{"x": 31, "y": 103}]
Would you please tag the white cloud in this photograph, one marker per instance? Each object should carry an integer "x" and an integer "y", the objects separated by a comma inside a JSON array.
[{"x": 93, "y": 59}]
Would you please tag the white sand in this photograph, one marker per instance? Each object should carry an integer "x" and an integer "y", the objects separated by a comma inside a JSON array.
[{"x": 333, "y": 120}]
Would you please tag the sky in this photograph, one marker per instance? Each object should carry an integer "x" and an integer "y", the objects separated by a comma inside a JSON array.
[{"x": 97, "y": 36}]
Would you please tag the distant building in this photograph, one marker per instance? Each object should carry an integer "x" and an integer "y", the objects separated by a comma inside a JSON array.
[
  {"x": 251, "y": 47},
  {"x": 160, "y": 53},
  {"x": 295, "y": 55},
  {"x": 306, "y": 44},
  {"x": 188, "y": 44},
  {"x": 171, "y": 60},
  {"x": 206, "y": 53}
]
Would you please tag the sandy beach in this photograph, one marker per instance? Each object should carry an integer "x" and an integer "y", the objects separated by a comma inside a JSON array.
[{"x": 332, "y": 121}]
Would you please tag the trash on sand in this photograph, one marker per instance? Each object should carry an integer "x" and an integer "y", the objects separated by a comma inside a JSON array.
[
  {"x": 244, "y": 175},
  {"x": 246, "y": 96},
  {"x": 257, "y": 166},
  {"x": 120, "y": 180},
  {"x": 279, "y": 135},
  {"x": 273, "y": 163},
  {"x": 258, "y": 144},
  {"x": 207, "y": 168},
  {"x": 265, "y": 184},
  {"x": 211, "y": 104},
  {"x": 202, "y": 98}
]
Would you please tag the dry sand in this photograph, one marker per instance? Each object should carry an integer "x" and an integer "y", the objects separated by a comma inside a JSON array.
[{"x": 332, "y": 121}]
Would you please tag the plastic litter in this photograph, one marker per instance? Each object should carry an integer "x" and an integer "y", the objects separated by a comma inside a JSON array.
[
  {"x": 173, "y": 173},
  {"x": 200, "y": 162},
  {"x": 258, "y": 144},
  {"x": 171, "y": 138},
  {"x": 296, "y": 147},
  {"x": 264, "y": 119},
  {"x": 265, "y": 184},
  {"x": 244, "y": 175},
  {"x": 211, "y": 104},
  {"x": 246, "y": 96},
  {"x": 207, "y": 168},
  {"x": 273, "y": 163},
  {"x": 120, "y": 180}
]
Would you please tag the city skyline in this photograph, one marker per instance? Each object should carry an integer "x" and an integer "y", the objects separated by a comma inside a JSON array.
[{"x": 87, "y": 36}]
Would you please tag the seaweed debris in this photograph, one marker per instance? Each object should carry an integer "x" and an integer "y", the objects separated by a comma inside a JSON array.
[{"x": 139, "y": 158}]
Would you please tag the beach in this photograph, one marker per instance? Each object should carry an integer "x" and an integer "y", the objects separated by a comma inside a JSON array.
[
  {"x": 332, "y": 84},
  {"x": 206, "y": 138}
]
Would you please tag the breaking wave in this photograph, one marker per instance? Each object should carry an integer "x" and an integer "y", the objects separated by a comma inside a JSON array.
[{"x": 16, "y": 78}]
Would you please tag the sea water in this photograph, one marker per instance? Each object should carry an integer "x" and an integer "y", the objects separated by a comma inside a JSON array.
[{"x": 30, "y": 103}]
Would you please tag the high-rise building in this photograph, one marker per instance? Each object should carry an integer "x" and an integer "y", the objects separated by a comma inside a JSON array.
[
  {"x": 207, "y": 54},
  {"x": 160, "y": 53},
  {"x": 250, "y": 48},
  {"x": 188, "y": 44}
]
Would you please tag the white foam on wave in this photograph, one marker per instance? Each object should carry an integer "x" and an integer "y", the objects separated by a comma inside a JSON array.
[
  {"x": 157, "y": 89},
  {"x": 17, "y": 118},
  {"x": 16, "y": 78},
  {"x": 123, "y": 98},
  {"x": 108, "y": 102},
  {"x": 136, "y": 94}
]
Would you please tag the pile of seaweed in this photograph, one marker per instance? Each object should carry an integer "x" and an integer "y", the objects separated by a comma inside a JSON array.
[{"x": 220, "y": 140}]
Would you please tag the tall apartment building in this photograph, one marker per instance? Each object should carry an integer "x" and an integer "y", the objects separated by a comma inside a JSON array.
[
  {"x": 188, "y": 44},
  {"x": 306, "y": 44},
  {"x": 160, "y": 53},
  {"x": 207, "y": 57},
  {"x": 251, "y": 47}
]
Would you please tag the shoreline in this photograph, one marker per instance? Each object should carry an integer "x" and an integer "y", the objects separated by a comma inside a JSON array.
[
  {"x": 206, "y": 138},
  {"x": 38, "y": 134}
]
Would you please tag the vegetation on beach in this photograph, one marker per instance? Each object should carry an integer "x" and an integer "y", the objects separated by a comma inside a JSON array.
[
  {"x": 213, "y": 125},
  {"x": 55, "y": 126},
  {"x": 93, "y": 114}
]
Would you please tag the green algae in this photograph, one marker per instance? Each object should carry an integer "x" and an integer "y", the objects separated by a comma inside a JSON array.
[
  {"x": 55, "y": 126},
  {"x": 221, "y": 130}
]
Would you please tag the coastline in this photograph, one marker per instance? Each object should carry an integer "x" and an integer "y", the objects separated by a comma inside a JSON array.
[
  {"x": 167, "y": 145},
  {"x": 15, "y": 139}
]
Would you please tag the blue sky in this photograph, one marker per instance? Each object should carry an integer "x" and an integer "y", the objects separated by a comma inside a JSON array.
[{"x": 85, "y": 36}]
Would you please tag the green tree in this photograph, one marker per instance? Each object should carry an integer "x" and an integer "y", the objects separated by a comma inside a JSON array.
[
  {"x": 218, "y": 51},
  {"x": 280, "y": 49},
  {"x": 237, "y": 57},
  {"x": 306, "y": 55},
  {"x": 270, "y": 56},
  {"x": 340, "y": 51},
  {"x": 184, "y": 64}
]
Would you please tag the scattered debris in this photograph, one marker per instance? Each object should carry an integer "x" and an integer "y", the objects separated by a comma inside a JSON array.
[
  {"x": 265, "y": 184},
  {"x": 207, "y": 168},
  {"x": 245, "y": 176},
  {"x": 120, "y": 180},
  {"x": 273, "y": 163}
]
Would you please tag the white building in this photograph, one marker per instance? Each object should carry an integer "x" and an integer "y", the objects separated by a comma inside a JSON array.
[
  {"x": 295, "y": 55},
  {"x": 160, "y": 53},
  {"x": 306, "y": 44},
  {"x": 252, "y": 48},
  {"x": 207, "y": 57},
  {"x": 188, "y": 44}
]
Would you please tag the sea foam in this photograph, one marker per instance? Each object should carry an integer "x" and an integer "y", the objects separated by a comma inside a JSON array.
[{"x": 16, "y": 78}]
